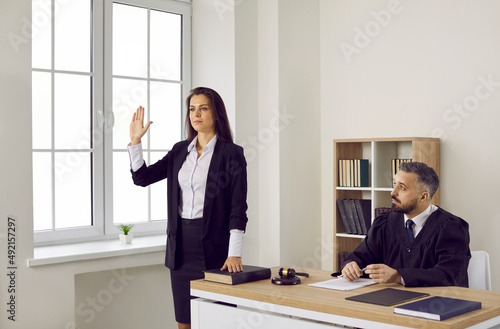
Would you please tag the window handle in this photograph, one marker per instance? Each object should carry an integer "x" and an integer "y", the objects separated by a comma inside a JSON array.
[{"x": 111, "y": 119}]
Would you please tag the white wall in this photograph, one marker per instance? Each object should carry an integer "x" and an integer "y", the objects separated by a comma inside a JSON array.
[
  {"x": 299, "y": 151},
  {"x": 422, "y": 62},
  {"x": 277, "y": 88},
  {"x": 266, "y": 140},
  {"x": 138, "y": 297},
  {"x": 213, "y": 50},
  {"x": 246, "y": 123},
  {"x": 277, "y": 122},
  {"x": 15, "y": 164}
]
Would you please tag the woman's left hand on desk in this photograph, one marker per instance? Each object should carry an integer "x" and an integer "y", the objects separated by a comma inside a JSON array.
[{"x": 233, "y": 265}]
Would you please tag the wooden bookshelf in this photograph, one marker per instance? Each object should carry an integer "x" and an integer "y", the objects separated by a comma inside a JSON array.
[{"x": 379, "y": 152}]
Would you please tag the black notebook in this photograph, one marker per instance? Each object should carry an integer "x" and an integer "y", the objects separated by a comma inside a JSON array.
[
  {"x": 437, "y": 308},
  {"x": 387, "y": 297}
]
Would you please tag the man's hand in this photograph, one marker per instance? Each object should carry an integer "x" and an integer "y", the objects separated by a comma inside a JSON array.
[
  {"x": 382, "y": 273},
  {"x": 351, "y": 271},
  {"x": 233, "y": 265}
]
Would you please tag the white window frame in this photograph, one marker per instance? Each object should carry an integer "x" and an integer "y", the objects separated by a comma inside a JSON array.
[
  {"x": 171, "y": 6},
  {"x": 102, "y": 190}
]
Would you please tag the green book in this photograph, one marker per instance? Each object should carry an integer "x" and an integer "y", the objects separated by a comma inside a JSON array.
[{"x": 363, "y": 175}]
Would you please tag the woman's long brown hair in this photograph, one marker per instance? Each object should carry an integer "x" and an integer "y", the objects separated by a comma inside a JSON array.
[{"x": 222, "y": 128}]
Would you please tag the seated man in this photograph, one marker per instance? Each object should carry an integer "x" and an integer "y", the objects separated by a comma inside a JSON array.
[{"x": 433, "y": 251}]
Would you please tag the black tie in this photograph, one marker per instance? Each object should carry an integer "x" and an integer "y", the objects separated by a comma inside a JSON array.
[{"x": 409, "y": 224}]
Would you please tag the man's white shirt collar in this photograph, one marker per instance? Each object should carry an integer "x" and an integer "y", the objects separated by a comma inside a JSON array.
[{"x": 420, "y": 219}]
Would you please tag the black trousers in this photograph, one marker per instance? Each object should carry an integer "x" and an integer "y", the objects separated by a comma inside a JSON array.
[{"x": 191, "y": 266}]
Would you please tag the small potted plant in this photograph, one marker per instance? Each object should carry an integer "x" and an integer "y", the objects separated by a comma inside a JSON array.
[{"x": 125, "y": 237}]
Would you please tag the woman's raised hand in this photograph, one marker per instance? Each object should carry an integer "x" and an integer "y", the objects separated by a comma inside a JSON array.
[{"x": 137, "y": 128}]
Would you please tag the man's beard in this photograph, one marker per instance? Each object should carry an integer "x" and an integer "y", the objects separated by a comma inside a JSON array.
[{"x": 404, "y": 209}]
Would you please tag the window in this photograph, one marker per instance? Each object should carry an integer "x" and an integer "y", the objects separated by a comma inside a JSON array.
[{"x": 94, "y": 62}]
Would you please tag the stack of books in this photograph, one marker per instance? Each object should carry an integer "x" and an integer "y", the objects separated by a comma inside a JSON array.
[
  {"x": 353, "y": 173},
  {"x": 356, "y": 215}
]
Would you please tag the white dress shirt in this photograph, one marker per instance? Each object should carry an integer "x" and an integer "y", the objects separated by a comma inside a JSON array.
[
  {"x": 192, "y": 181},
  {"x": 420, "y": 219}
]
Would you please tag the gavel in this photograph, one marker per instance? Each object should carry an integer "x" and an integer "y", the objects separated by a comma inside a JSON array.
[{"x": 288, "y": 273}]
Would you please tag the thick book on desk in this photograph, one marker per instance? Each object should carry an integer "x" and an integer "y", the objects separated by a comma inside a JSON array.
[
  {"x": 387, "y": 296},
  {"x": 438, "y": 308},
  {"x": 250, "y": 273}
]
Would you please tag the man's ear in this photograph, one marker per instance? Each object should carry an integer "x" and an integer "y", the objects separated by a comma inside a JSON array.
[{"x": 425, "y": 196}]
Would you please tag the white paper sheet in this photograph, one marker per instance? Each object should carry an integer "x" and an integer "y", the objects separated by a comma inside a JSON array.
[{"x": 342, "y": 284}]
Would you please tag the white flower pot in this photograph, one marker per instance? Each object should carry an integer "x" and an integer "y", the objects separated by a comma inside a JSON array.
[{"x": 126, "y": 239}]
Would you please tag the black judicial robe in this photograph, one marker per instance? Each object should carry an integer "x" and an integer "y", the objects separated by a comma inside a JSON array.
[{"x": 438, "y": 256}]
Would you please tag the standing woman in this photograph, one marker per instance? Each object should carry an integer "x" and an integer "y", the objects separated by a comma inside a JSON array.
[{"x": 206, "y": 191}]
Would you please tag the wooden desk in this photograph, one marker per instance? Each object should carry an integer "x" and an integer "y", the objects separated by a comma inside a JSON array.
[{"x": 262, "y": 305}]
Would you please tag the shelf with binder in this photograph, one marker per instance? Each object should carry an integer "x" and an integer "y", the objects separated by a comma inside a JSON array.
[{"x": 379, "y": 153}]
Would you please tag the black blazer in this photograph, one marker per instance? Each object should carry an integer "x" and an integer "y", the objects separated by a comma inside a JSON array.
[{"x": 225, "y": 198}]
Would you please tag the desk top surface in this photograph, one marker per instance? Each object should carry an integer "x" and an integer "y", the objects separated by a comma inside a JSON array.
[{"x": 323, "y": 300}]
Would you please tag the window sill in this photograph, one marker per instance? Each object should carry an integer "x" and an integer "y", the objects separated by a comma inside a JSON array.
[{"x": 48, "y": 255}]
